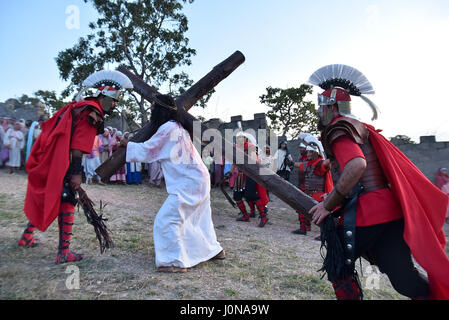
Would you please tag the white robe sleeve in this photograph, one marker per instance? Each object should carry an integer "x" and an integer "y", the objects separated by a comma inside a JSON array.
[
  {"x": 158, "y": 147},
  {"x": 21, "y": 141}
]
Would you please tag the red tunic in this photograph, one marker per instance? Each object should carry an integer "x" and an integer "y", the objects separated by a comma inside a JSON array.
[
  {"x": 49, "y": 161},
  {"x": 374, "y": 207}
]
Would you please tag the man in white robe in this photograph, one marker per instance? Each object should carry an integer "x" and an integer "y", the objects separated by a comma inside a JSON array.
[
  {"x": 183, "y": 231},
  {"x": 14, "y": 141}
]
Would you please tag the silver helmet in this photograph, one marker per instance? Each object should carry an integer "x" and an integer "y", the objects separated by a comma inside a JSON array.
[{"x": 109, "y": 83}]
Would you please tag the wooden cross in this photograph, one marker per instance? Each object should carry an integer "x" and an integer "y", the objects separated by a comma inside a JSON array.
[{"x": 283, "y": 189}]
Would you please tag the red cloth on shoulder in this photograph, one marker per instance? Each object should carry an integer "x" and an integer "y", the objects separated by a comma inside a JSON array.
[
  {"x": 345, "y": 149},
  {"x": 48, "y": 163},
  {"x": 84, "y": 134}
]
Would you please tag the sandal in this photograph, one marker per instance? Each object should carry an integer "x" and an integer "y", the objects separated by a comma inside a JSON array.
[
  {"x": 220, "y": 256},
  {"x": 28, "y": 243},
  {"x": 171, "y": 269},
  {"x": 69, "y": 257}
]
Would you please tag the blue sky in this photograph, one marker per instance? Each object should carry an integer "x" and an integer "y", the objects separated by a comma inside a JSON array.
[{"x": 401, "y": 46}]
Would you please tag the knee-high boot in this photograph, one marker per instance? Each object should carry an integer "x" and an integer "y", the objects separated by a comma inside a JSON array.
[
  {"x": 302, "y": 225},
  {"x": 242, "y": 207},
  {"x": 263, "y": 210},
  {"x": 65, "y": 220},
  {"x": 348, "y": 289},
  {"x": 252, "y": 207}
]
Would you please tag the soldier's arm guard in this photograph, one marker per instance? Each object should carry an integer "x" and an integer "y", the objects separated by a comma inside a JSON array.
[
  {"x": 68, "y": 193},
  {"x": 75, "y": 166}
]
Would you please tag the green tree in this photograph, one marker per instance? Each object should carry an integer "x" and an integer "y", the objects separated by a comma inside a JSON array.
[
  {"x": 402, "y": 139},
  {"x": 290, "y": 114},
  {"x": 26, "y": 101},
  {"x": 145, "y": 36},
  {"x": 51, "y": 100}
]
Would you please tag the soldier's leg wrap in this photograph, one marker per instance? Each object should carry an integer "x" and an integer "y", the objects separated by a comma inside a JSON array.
[
  {"x": 252, "y": 207},
  {"x": 263, "y": 210},
  {"x": 27, "y": 240},
  {"x": 66, "y": 218},
  {"x": 242, "y": 207},
  {"x": 348, "y": 289}
]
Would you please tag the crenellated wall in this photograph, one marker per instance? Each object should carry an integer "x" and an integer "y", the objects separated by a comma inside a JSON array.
[{"x": 428, "y": 155}]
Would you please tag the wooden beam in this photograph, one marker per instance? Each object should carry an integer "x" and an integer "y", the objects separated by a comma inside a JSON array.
[
  {"x": 186, "y": 101},
  {"x": 283, "y": 189}
]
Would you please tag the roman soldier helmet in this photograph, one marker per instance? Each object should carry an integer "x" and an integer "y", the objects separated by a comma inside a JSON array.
[
  {"x": 247, "y": 135},
  {"x": 110, "y": 83},
  {"x": 313, "y": 144},
  {"x": 340, "y": 82}
]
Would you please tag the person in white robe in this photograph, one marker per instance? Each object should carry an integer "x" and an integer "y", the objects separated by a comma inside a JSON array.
[
  {"x": 283, "y": 160},
  {"x": 183, "y": 231},
  {"x": 14, "y": 141}
]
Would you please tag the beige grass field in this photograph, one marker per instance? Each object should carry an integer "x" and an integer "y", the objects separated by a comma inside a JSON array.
[{"x": 262, "y": 263}]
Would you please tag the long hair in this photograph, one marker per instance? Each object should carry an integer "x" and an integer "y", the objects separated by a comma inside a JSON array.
[
  {"x": 161, "y": 114},
  {"x": 287, "y": 152}
]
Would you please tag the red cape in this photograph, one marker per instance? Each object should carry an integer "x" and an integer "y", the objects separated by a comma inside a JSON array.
[
  {"x": 47, "y": 165},
  {"x": 424, "y": 208},
  {"x": 328, "y": 183}
]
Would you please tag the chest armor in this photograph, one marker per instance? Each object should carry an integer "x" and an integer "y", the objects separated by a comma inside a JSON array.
[
  {"x": 313, "y": 183},
  {"x": 373, "y": 178}
]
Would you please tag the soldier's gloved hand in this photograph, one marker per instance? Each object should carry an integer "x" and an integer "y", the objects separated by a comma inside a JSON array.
[{"x": 75, "y": 181}]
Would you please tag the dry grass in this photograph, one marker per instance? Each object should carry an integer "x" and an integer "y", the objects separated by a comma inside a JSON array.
[{"x": 267, "y": 263}]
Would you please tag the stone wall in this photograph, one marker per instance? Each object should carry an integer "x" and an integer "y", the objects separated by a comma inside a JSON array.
[
  {"x": 428, "y": 155},
  {"x": 258, "y": 122}
]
